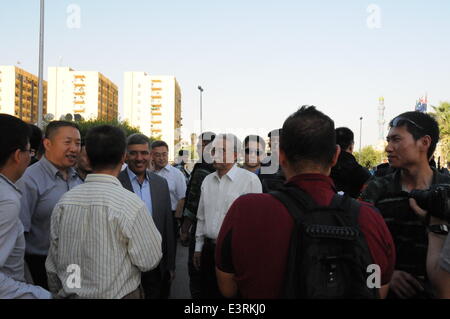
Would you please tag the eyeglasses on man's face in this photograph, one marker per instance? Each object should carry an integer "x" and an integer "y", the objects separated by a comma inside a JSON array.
[{"x": 160, "y": 155}]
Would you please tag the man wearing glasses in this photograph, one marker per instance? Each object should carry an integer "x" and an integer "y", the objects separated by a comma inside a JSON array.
[
  {"x": 411, "y": 141},
  {"x": 254, "y": 147},
  {"x": 175, "y": 179},
  {"x": 14, "y": 159}
]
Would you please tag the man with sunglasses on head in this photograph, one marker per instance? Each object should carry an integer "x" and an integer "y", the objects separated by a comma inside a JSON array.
[
  {"x": 254, "y": 147},
  {"x": 412, "y": 140}
]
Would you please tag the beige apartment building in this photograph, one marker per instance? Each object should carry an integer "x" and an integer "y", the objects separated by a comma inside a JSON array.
[{"x": 19, "y": 91}]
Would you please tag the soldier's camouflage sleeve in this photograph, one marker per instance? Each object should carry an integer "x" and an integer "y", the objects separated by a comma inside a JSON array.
[{"x": 193, "y": 192}]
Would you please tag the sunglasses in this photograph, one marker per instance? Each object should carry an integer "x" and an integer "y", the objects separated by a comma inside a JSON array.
[
  {"x": 400, "y": 120},
  {"x": 250, "y": 151}
]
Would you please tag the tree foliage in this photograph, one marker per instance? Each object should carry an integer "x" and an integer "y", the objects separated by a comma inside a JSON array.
[
  {"x": 442, "y": 115},
  {"x": 86, "y": 125},
  {"x": 369, "y": 157}
]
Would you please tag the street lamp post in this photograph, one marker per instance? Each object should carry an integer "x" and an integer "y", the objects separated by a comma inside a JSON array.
[
  {"x": 201, "y": 108},
  {"x": 41, "y": 67},
  {"x": 360, "y": 136}
]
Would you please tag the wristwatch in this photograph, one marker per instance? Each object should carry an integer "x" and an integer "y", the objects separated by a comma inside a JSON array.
[{"x": 440, "y": 229}]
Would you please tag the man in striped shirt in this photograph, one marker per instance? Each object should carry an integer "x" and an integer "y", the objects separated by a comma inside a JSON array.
[{"x": 102, "y": 235}]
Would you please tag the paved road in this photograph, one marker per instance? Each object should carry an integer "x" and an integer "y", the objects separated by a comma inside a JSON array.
[{"x": 180, "y": 286}]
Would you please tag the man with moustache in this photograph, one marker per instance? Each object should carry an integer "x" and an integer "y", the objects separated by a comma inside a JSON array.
[{"x": 154, "y": 192}]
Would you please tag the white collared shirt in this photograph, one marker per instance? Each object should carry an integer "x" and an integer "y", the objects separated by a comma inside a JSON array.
[
  {"x": 177, "y": 184},
  {"x": 216, "y": 197}
]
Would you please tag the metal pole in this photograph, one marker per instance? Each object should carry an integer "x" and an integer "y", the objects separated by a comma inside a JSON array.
[
  {"x": 201, "y": 108},
  {"x": 41, "y": 67},
  {"x": 360, "y": 136}
]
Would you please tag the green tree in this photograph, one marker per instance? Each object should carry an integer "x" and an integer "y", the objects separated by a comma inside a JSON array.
[
  {"x": 369, "y": 157},
  {"x": 86, "y": 125},
  {"x": 442, "y": 115}
]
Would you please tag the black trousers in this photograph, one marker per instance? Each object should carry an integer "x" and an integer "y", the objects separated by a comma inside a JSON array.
[
  {"x": 156, "y": 284},
  {"x": 36, "y": 265},
  {"x": 208, "y": 279},
  {"x": 194, "y": 274}
]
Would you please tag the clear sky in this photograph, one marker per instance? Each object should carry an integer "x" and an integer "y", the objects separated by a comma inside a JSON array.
[{"x": 257, "y": 60}]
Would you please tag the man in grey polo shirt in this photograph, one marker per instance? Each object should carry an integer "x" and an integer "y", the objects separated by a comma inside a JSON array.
[
  {"x": 14, "y": 159},
  {"x": 42, "y": 185}
]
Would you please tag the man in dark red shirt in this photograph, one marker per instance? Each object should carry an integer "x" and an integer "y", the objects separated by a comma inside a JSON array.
[{"x": 252, "y": 247}]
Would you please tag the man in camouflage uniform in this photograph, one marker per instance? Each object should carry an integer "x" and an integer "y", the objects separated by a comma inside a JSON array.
[
  {"x": 187, "y": 232},
  {"x": 411, "y": 141}
]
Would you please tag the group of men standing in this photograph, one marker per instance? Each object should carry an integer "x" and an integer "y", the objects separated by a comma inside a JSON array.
[{"x": 80, "y": 211}]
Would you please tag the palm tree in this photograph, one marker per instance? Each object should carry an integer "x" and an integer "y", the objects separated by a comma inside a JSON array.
[{"x": 442, "y": 115}]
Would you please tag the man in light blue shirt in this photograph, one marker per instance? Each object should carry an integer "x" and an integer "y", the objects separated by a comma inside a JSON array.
[
  {"x": 14, "y": 159},
  {"x": 154, "y": 192},
  {"x": 142, "y": 189},
  {"x": 42, "y": 185}
]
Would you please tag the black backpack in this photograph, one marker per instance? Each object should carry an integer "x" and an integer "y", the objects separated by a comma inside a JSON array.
[{"x": 328, "y": 254}]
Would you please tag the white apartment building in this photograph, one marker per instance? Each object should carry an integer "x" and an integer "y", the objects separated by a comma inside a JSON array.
[
  {"x": 153, "y": 104},
  {"x": 87, "y": 93}
]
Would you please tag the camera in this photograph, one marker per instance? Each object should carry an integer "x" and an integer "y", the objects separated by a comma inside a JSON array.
[{"x": 436, "y": 200}]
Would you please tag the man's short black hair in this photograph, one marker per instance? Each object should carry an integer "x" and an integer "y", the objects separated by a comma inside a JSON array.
[
  {"x": 255, "y": 138},
  {"x": 105, "y": 146},
  {"x": 156, "y": 144},
  {"x": 419, "y": 124},
  {"x": 309, "y": 135},
  {"x": 138, "y": 139},
  {"x": 15, "y": 134},
  {"x": 36, "y": 137},
  {"x": 207, "y": 137},
  {"x": 344, "y": 137},
  {"x": 52, "y": 127}
]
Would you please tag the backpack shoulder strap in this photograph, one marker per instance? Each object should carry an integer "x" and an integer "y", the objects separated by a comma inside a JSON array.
[
  {"x": 295, "y": 200},
  {"x": 349, "y": 205}
]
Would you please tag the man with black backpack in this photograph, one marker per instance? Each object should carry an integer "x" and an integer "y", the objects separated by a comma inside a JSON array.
[{"x": 304, "y": 241}]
